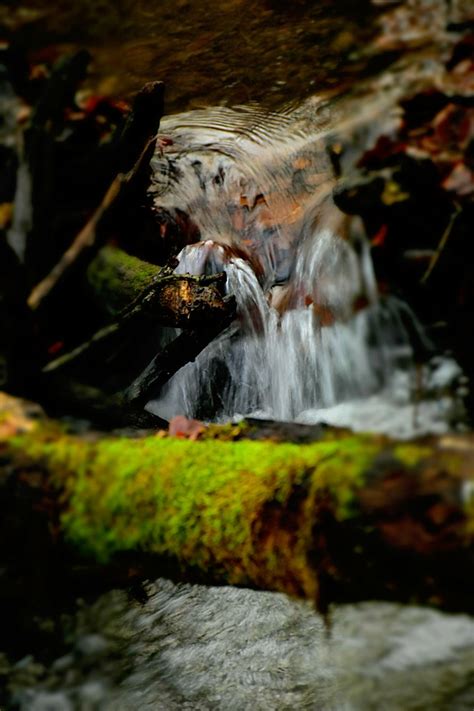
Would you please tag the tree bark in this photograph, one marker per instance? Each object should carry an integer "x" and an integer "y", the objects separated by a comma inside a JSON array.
[{"x": 345, "y": 518}]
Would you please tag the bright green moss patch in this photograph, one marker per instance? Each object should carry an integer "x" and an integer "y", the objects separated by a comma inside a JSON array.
[
  {"x": 197, "y": 500},
  {"x": 119, "y": 278},
  {"x": 410, "y": 455},
  {"x": 243, "y": 511}
]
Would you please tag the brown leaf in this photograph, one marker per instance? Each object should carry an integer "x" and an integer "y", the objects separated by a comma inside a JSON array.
[
  {"x": 460, "y": 180},
  {"x": 185, "y": 428}
]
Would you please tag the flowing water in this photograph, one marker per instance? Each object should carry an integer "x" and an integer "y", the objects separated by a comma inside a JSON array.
[{"x": 312, "y": 341}]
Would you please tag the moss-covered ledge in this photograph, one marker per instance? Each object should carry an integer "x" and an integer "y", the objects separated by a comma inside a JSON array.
[{"x": 345, "y": 518}]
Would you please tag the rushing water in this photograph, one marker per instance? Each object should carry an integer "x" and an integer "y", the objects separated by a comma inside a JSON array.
[{"x": 312, "y": 341}]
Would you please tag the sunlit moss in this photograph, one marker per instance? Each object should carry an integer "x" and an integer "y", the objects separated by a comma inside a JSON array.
[
  {"x": 191, "y": 498},
  {"x": 241, "y": 510}
]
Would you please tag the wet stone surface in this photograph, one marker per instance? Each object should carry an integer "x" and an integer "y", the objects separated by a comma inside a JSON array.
[
  {"x": 200, "y": 648},
  {"x": 232, "y": 52}
]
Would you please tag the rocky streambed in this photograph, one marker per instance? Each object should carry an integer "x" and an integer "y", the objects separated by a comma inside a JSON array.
[{"x": 210, "y": 648}]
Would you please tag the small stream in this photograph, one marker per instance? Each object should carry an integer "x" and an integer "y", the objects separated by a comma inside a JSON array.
[{"x": 314, "y": 342}]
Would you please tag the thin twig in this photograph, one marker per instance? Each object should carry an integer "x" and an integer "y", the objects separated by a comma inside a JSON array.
[
  {"x": 214, "y": 307},
  {"x": 442, "y": 244},
  {"x": 88, "y": 235}
]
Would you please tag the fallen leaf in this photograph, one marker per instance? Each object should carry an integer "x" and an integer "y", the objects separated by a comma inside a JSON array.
[
  {"x": 186, "y": 428},
  {"x": 6, "y": 214},
  {"x": 460, "y": 180}
]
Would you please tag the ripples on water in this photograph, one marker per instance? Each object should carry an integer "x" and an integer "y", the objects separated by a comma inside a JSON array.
[{"x": 313, "y": 341}]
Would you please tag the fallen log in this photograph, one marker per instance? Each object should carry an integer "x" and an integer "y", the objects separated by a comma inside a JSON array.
[
  {"x": 142, "y": 297},
  {"x": 345, "y": 518},
  {"x": 122, "y": 285},
  {"x": 114, "y": 279}
]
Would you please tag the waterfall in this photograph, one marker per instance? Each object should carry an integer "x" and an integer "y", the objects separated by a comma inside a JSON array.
[
  {"x": 284, "y": 364},
  {"x": 312, "y": 340}
]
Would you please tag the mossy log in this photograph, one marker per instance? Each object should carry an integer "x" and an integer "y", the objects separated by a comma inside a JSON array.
[
  {"x": 140, "y": 296},
  {"x": 345, "y": 518},
  {"x": 120, "y": 282},
  {"x": 115, "y": 279}
]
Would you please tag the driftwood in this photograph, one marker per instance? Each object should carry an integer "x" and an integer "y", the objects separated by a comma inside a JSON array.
[
  {"x": 345, "y": 518},
  {"x": 124, "y": 286},
  {"x": 141, "y": 298}
]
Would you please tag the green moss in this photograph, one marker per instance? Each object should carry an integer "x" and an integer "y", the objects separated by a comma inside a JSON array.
[
  {"x": 118, "y": 278},
  {"x": 197, "y": 500},
  {"x": 242, "y": 510},
  {"x": 229, "y": 431},
  {"x": 410, "y": 455}
]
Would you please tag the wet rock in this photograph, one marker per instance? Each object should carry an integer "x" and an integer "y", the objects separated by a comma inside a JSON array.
[
  {"x": 197, "y": 648},
  {"x": 56, "y": 701},
  {"x": 63, "y": 663},
  {"x": 91, "y": 647}
]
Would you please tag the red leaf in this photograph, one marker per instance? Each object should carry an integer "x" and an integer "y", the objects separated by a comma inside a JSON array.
[{"x": 379, "y": 238}]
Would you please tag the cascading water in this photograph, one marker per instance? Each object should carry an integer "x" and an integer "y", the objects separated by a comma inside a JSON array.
[{"x": 312, "y": 340}]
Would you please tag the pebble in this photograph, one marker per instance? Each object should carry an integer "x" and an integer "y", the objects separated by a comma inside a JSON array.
[{"x": 92, "y": 646}]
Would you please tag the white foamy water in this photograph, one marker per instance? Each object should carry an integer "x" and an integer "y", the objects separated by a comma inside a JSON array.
[
  {"x": 356, "y": 373},
  {"x": 312, "y": 340}
]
